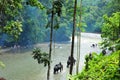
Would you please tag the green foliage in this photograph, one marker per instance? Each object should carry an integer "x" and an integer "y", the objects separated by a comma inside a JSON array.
[
  {"x": 101, "y": 68},
  {"x": 81, "y": 26},
  {"x": 87, "y": 59},
  {"x": 117, "y": 45},
  {"x": 62, "y": 29},
  {"x": 33, "y": 17},
  {"x": 10, "y": 7},
  {"x": 34, "y": 20},
  {"x": 2, "y": 64},
  {"x": 94, "y": 10},
  {"x": 41, "y": 57},
  {"x": 57, "y": 11},
  {"x": 111, "y": 30},
  {"x": 57, "y": 7},
  {"x": 10, "y": 19},
  {"x": 92, "y": 14},
  {"x": 113, "y": 6},
  {"x": 13, "y": 28},
  {"x": 35, "y": 3}
]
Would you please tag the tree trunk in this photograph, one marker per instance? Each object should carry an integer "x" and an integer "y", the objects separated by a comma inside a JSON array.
[
  {"x": 79, "y": 40},
  {"x": 73, "y": 34},
  {"x": 119, "y": 37},
  {"x": 50, "y": 46}
]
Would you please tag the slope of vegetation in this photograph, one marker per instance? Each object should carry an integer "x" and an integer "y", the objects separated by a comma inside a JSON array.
[
  {"x": 105, "y": 67},
  {"x": 101, "y": 68}
]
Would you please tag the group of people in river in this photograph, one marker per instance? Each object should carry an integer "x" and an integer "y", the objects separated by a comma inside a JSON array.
[
  {"x": 105, "y": 51},
  {"x": 94, "y": 45},
  {"x": 59, "y": 67}
]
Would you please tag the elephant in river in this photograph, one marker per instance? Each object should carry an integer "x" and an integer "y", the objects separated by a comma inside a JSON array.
[
  {"x": 69, "y": 61},
  {"x": 58, "y": 67}
]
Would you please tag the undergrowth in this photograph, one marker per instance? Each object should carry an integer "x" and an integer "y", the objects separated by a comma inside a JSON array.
[{"x": 101, "y": 68}]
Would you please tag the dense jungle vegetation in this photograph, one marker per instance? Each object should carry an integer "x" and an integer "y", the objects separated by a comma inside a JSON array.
[
  {"x": 28, "y": 22},
  {"x": 101, "y": 68}
]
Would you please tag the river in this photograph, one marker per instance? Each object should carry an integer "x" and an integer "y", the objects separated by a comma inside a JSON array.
[{"x": 24, "y": 67}]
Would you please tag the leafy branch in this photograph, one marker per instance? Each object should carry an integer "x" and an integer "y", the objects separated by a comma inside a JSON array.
[{"x": 41, "y": 57}]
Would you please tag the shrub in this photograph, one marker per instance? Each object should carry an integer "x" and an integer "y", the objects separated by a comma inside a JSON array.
[{"x": 101, "y": 68}]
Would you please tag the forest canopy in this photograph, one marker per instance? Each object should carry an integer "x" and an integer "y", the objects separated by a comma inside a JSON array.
[{"x": 24, "y": 22}]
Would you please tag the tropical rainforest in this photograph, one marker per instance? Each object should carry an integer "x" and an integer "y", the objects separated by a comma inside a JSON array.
[{"x": 28, "y": 22}]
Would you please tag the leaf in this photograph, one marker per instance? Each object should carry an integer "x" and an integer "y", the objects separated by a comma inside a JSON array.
[{"x": 2, "y": 64}]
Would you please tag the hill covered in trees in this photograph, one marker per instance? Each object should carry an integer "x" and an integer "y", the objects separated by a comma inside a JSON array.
[{"x": 30, "y": 20}]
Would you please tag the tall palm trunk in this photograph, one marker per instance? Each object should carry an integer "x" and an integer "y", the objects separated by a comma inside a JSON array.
[
  {"x": 73, "y": 35},
  {"x": 50, "y": 46},
  {"x": 79, "y": 40}
]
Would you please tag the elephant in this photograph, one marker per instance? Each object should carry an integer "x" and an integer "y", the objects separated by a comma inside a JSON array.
[
  {"x": 58, "y": 67},
  {"x": 69, "y": 61}
]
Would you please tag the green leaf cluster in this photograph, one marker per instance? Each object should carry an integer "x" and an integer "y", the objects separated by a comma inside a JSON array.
[
  {"x": 13, "y": 28},
  {"x": 41, "y": 57},
  {"x": 110, "y": 28},
  {"x": 56, "y": 10},
  {"x": 10, "y": 8},
  {"x": 111, "y": 31},
  {"x": 101, "y": 68},
  {"x": 10, "y": 19},
  {"x": 2, "y": 64},
  {"x": 35, "y": 3}
]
